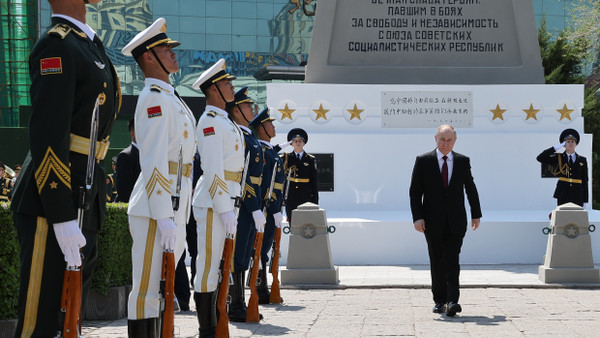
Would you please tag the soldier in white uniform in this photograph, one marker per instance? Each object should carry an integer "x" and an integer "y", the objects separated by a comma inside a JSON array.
[
  {"x": 164, "y": 125},
  {"x": 221, "y": 148}
]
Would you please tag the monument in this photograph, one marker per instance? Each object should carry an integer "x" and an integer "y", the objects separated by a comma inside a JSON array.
[{"x": 383, "y": 74}]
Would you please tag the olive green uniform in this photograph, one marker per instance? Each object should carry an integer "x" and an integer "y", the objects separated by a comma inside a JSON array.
[{"x": 68, "y": 72}]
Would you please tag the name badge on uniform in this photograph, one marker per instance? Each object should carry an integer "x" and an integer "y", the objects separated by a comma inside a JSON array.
[
  {"x": 209, "y": 131},
  {"x": 50, "y": 66},
  {"x": 154, "y": 111}
]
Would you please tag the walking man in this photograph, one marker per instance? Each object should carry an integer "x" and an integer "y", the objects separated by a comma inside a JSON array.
[{"x": 439, "y": 181}]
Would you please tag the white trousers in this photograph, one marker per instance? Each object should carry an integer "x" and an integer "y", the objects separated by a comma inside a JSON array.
[
  {"x": 146, "y": 257},
  {"x": 211, "y": 240}
]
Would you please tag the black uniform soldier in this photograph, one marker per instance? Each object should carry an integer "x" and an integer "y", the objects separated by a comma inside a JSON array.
[
  {"x": 251, "y": 218},
  {"x": 69, "y": 70},
  {"x": 265, "y": 131},
  {"x": 571, "y": 169},
  {"x": 303, "y": 180}
]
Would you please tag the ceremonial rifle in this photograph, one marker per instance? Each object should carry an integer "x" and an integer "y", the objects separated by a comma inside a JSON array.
[
  {"x": 275, "y": 296},
  {"x": 167, "y": 279},
  {"x": 252, "y": 314},
  {"x": 225, "y": 265},
  {"x": 70, "y": 303}
]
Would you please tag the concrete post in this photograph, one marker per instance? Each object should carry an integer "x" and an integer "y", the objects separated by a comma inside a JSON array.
[
  {"x": 569, "y": 252},
  {"x": 309, "y": 253}
]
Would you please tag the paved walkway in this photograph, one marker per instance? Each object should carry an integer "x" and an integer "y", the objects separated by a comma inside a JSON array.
[{"x": 372, "y": 301}]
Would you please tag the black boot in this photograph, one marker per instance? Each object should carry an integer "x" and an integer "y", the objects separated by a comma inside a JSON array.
[
  {"x": 237, "y": 307},
  {"x": 262, "y": 289},
  {"x": 206, "y": 309},
  {"x": 143, "y": 328}
]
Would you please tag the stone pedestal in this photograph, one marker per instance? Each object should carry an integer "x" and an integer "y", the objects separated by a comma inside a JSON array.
[
  {"x": 309, "y": 253},
  {"x": 569, "y": 252}
]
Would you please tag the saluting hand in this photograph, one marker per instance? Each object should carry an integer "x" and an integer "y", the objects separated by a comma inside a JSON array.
[{"x": 420, "y": 225}]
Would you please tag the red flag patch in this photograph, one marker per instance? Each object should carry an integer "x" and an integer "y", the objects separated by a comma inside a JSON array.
[
  {"x": 209, "y": 131},
  {"x": 51, "y": 66},
  {"x": 154, "y": 111}
]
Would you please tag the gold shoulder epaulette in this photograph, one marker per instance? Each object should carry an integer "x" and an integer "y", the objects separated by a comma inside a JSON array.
[
  {"x": 155, "y": 88},
  {"x": 212, "y": 113},
  {"x": 309, "y": 155},
  {"x": 61, "y": 30}
]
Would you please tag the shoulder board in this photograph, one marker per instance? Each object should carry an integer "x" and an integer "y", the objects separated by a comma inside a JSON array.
[
  {"x": 212, "y": 114},
  {"x": 309, "y": 155},
  {"x": 61, "y": 30},
  {"x": 155, "y": 88}
]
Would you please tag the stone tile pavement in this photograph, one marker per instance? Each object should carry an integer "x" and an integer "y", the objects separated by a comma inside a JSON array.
[{"x": 392, "y": 301}]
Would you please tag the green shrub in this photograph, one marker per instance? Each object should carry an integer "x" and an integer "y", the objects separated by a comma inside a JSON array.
[
  {"x": 114, "y": 256},
  {"x": 9, "y": 264},
  {"x": 114, "y": 250}
]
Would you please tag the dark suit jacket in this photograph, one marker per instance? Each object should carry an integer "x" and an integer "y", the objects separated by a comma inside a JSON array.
[
  {"x": 127, "y": 171},
  {"x": 436, "y": 205}
]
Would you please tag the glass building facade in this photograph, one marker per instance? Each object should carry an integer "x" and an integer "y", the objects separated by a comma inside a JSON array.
[{"x": 248, "y": 34}]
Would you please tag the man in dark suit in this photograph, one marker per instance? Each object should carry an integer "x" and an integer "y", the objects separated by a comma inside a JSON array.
[
  {"x": 439, "y": 181},
  {"x": 571, "y": 169},
  {"x": 128, "y": 167}
]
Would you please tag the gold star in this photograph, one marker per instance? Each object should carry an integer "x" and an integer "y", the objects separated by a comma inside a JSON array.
[
  {"x": 355, "y": 112},
  {"x": 531, "y": 113},
  {"x": 565, "y": 112},
  {"x": 159, "y": 192},
  {"x": 286, "y": 112},
  {"x": 321, "y": 112},
  {"x": 53, "y": 185},
  {"x": 498, "y": 113}
]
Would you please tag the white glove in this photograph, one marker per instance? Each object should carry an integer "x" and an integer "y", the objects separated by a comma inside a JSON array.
[
  {"x": 70, "y": 239},
  {"x": 167, "y": 233},
  {"x": 285, "y": 144},
  {"x": 259, "y": 220},
  {"x": 278, "y": 217},
  {"x": 229, "y": 221},
  {"x": 556, "y": 147}
]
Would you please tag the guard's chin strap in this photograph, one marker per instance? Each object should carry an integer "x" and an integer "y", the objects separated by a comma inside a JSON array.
[
  {"x": 266, "y": 132},
  {"x": 157, "y": 58},
  {"x": 241, "y": 112}
]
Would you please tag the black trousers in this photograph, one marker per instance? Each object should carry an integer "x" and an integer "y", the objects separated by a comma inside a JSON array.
[
  {"x": 42, "y": 272},
  {"x": 444, "y": 251}
]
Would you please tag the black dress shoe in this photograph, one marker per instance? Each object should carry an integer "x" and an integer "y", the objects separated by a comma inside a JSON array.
[
  {"x": 439, "y": 308},
  {"x": 453, "y": 308}
]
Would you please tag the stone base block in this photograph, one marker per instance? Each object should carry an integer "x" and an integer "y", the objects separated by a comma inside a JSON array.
[
  {"x": 568, "y": 275},
  {"x": 310, "y": 276},
  {"x": 7, "y": 328}
]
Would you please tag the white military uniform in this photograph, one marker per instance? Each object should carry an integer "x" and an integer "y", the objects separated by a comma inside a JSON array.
[
  {"x": 163, "y": 122},
  {"x": 221, "y": 147}
]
